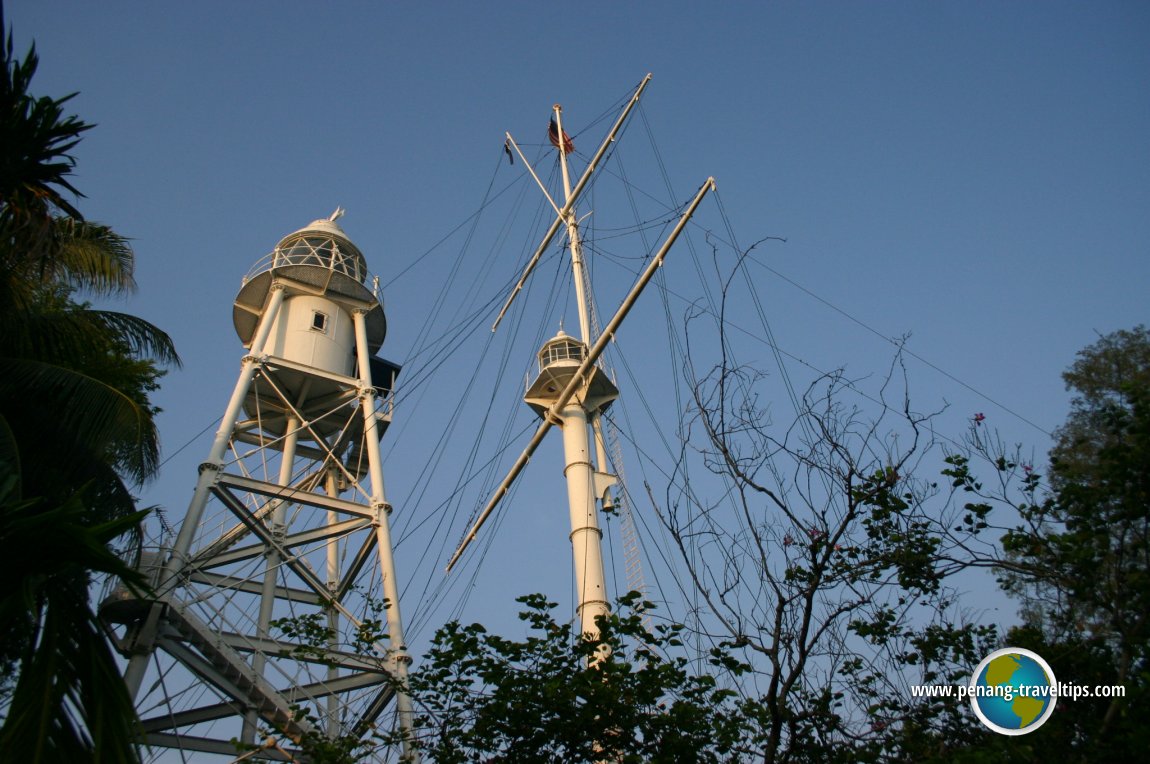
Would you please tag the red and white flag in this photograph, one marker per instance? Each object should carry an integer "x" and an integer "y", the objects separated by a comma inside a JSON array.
[{"x": 553, "y": 134}]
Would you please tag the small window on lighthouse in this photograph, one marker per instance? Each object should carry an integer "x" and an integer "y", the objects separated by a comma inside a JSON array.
[{"x": 319, "y": 321}]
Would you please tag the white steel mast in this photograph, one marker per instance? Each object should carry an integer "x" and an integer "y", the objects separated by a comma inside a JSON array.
[
  {"x": 587, "y": 481},
  {"x": 578, "y": 270},
  {"x": 571, "y": 390}
]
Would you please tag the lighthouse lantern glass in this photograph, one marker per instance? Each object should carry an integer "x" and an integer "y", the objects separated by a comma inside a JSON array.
[
  {"x": 322, "y": 251},
  {"x": 561, "y": 350}
]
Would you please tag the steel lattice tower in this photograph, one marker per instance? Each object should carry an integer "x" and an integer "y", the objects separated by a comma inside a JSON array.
[{"x": 276, "y": 607}]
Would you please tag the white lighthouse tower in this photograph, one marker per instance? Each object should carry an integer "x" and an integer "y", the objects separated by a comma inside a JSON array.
[
  {"x": 559, "y": 366},
  {"x": 279, "y": 595}
]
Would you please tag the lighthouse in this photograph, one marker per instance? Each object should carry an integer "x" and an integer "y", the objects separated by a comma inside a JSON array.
[
  {"x": 278, "y": 595},
  {"x": 560, "y": 362}
]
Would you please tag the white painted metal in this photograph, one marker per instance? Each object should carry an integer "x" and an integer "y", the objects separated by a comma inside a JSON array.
[
  {"x": 561, "y": 217},
  {"x": 309, "y": 330},
  {"x": 572, "y": 223},
  {"x": 551, "y": 415},
  {"x": 400, "y": 660},
  {"x": 572, "y": 408},
  {"x": 271, "y": 569},
  {"x": 289, "y": 519},
  {"x": 586, "y": 537}
]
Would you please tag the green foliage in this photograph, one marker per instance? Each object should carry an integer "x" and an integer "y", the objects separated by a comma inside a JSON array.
[
  {"x": 68, "y": 699},
  {"x": 1077, "y": 557},
  {"x": 60, "y": 360},
  {"x": 37, "y": 137},
  {"x": 314, "y": 744},
  {"x": 77, "y": 432},
  {"x": 628, "y": 696},
  {"x": 311, "y": 634},
  {"x": 1080, "y": 562},
  {"x": 826, "y": 566},
  {"x": 1108, "y": 379}
]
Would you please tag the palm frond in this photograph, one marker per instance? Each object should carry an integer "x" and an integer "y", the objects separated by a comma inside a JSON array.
[
  {"x": 87, "y": 257},
  {"x": 101, "y": 419},
  {"x": 37, "y": 138},
  {"x": 69, "y": 703},
  {"x": 93, "y": 258},
  {"x": 77, "y": 335},
  {"x": 144, "y": 339}
]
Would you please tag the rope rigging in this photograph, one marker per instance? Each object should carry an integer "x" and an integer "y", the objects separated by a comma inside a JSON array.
[{"x": 442, "y": 496}]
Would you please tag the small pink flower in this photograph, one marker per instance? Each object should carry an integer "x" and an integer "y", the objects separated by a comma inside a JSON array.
[
  {"x": 1027, "y": 469},
  {"x": 838, "y": 547},
  {"x": 787, "y": 540},
  {"x": 979, "y": 417}
]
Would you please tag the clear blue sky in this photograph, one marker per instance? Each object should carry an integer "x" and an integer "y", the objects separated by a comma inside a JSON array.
[{"x": 975, "y": 174}]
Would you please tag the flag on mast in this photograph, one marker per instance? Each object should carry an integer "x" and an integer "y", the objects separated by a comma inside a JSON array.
[{"x": 553, "y": 134}]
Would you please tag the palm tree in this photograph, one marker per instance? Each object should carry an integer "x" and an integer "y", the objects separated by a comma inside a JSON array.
[
  {"x": 77, "y": 433},
  {"x": 75, "y": 379}
]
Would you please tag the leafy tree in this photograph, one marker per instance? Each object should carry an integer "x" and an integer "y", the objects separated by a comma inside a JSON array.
[
  {"x": 77, "y": 432},
  {"x": 627, "y": 696},
  {"x": 821, "y": 576},
  {"x": 1080, "y": 562},
  {"x": 1075, "y": 550},
  {"x": 819, "y": 556}
]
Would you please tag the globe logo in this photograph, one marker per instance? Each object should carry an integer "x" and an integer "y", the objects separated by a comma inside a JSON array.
[{"x": 1013, "y": 691}]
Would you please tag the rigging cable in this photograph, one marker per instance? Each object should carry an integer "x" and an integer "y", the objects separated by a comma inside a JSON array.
[{"x": 510, "y": 339}]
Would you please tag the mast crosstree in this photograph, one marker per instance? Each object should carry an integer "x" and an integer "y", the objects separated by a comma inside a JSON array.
[{"x": 572, "y": 390}]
